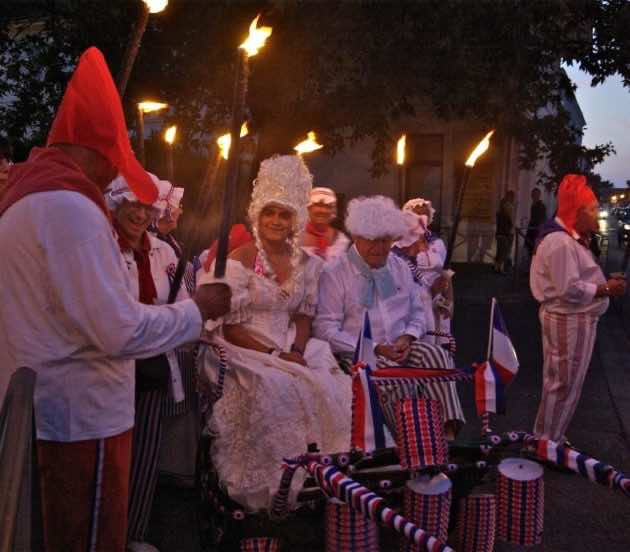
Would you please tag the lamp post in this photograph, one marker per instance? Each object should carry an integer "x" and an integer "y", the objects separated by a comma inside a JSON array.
[
  {"x": 142, "y": 108},
  {"x": 131, "y": 52},
  {"x": 479, "y": 150}
]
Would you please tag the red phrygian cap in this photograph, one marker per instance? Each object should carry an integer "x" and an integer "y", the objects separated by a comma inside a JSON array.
[
  {"x": 573, "y": 193},
  {"x": 91, "y": 115}
]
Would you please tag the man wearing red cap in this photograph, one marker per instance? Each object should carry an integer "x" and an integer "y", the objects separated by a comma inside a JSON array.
[
  {"x": 69, "y": 314},
  {"x": 573, "y": 293}
]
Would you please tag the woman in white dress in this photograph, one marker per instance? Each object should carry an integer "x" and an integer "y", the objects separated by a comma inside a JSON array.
[
  {"x": 320, "y": 238},
  {"x": 429, "y": 253},
  {"x": 283, "y": 389}
]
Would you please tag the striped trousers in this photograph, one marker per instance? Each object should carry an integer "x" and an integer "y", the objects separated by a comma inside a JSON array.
[
  {"x": 568, "y": 342},
  {"x": 425, "y": 355},
  {"x": 147, "y": 437},
  {"x": 84, "y": 488}
]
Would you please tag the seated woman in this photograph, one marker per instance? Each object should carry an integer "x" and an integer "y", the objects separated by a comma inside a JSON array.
[
  {"x": 320, "y": 237},
  {"x": 407, "y": 248},
  {"x": 283, "y": 389},
  {"x": 427, "y": 255},
  {"x": 151, "y": 263}
]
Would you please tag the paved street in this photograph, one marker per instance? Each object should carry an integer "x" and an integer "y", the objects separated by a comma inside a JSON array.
[{"x": 579, "y": 515}]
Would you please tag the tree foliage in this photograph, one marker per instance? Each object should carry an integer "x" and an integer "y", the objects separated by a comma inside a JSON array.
[{"x": 350, "y": 70}]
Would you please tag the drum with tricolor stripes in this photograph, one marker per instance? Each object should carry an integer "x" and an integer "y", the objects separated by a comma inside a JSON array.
[
  {"x": 420, "y": 435},
  {"x": 260, "y": 544},
  {"x": 427, "y": 503},
  {"x": 348, "y": 530},
  {"x": 476, "y": 523},
  {"x": 521, "y": 502}
]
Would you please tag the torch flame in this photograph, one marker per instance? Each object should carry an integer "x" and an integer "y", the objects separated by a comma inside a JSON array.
[
  {"x": 400, "y": 149},
  {"x": 482, "y": 147},
  {"x": 256, "y": 38},
  {"x": 224, "y": 142},
  {"x": 149, "y": 106},
  {"x": 156, "y": 6},
  {"x": 169, "y": 134},
  {"x": 308, "y": 145}
]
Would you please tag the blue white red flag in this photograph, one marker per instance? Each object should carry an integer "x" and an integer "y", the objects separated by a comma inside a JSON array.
[
  {"x": 503, "y": 354},
  {"x": 489, "y": 389},
  {"x": 369, "y": 431}
]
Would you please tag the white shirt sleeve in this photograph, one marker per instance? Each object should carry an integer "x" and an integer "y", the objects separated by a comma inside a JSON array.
[
  {"x": 564, "y": 273},
  {"x": 330, "y": 315},
  {"x": 87, "y": 275}
]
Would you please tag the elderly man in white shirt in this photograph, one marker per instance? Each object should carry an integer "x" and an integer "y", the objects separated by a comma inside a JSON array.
[
  {"x": 369, "y": 278},
  {"x": 573, "y": 292}
]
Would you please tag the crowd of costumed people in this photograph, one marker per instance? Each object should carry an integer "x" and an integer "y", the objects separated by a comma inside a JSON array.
[{"x": 263, "y": 361}]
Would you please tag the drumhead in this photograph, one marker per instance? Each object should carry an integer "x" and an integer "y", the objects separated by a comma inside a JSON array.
[
  {"x": 427, "y": 485},
  {"x": 520, "y": 469}
]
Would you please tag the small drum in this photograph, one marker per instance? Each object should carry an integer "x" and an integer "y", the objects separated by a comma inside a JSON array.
[
  {"x": 476, "y": 523},
  {"x": 521, "y": 502},
  {"x": 260, "y": 544},
  {"x": 420, "y": 433},
  {"x": 427, "y": 503},
  {"x": 348, "y": 531}
]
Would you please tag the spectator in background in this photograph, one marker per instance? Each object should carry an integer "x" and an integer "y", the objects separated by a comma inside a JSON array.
[
  {"x": 537, "y": 216},
  {"x": 319, "y": 237},
  {"x": 505, "y": 233}
]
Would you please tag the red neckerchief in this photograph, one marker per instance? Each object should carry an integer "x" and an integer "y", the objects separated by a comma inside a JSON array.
[
  {"x": 47, "y": 170},
  {"x": 322, "y": 240},
  {"x": 146, "y": 284}
]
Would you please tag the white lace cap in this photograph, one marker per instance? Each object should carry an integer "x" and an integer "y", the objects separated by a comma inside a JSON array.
[
  {"x": 322, "y": 195},
  {"x": 416, "y": 228},
  {"x": 169, "y": 196},
  {"x": 119, "y": 189},
  {"x": 419, "y": 202},
  {"x": 375, "y": 217},
  {"x": 283, "y": 180}
]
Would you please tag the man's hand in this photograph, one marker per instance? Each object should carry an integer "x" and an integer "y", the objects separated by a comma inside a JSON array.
[
  {"x": 398, "y": 351},
  {"x": 213, "y": 300},
  {"x": 616, "y": 286}
]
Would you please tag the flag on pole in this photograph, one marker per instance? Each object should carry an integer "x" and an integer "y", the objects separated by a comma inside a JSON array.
[
  {"x": 369, "y": 431},
  {"x": 499, "y": 369},
  {"x": 503, "y": 355}
]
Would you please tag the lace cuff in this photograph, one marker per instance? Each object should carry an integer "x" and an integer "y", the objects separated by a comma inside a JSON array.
[{"x": 312, "y": 272}]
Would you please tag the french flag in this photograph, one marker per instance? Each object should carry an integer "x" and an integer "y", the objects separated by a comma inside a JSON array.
[
  {"x": 369, "y": 431},
  {"x": 495, "y": 374},
  {"x": 503, "y": 355}
]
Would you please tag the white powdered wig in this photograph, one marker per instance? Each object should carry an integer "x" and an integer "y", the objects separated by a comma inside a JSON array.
[
  {"x": 282, "y": 180},
  {"x": 420, "y": 202},
  {"x": 119, "y": 189},
  {"x": 375, "y": 217}
]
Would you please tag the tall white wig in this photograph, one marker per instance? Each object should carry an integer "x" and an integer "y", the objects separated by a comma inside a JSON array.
[
  {"x": 375, "y": 217},
  {"x": 282, "y": 180}
]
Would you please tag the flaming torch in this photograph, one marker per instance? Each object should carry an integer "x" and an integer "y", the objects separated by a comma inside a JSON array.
[
  {"x": 309, "y": 145},
  {"x": 149, "y": 6},
  {"x": 401, "y": 147},
  {"x": 479, "y": 150},
  {"x": 169, "y": 138},
  {"x": 252, "y": 45},
  {"x": 144, "y": 107}
]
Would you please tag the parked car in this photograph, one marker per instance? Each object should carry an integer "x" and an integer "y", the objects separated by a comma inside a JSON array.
[{"x": 623, "y": 226}]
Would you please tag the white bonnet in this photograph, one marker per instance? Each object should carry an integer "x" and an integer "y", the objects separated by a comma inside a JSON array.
[
  {"x": 416, "y": 228},
  {"x": 119, "y": 189},
  {"x": 419, "y": 202},
  {"x": 322, "y": 195},
  {"x": 283, "y": 180},
  {"x": 375, "y": 217}
]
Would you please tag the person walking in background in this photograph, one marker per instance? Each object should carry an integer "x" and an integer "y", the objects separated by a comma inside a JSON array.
[
  {"x": 505, "y": 233},
  {"x": 537, "y": 217},
  {"x": 573, "y": 293}
]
